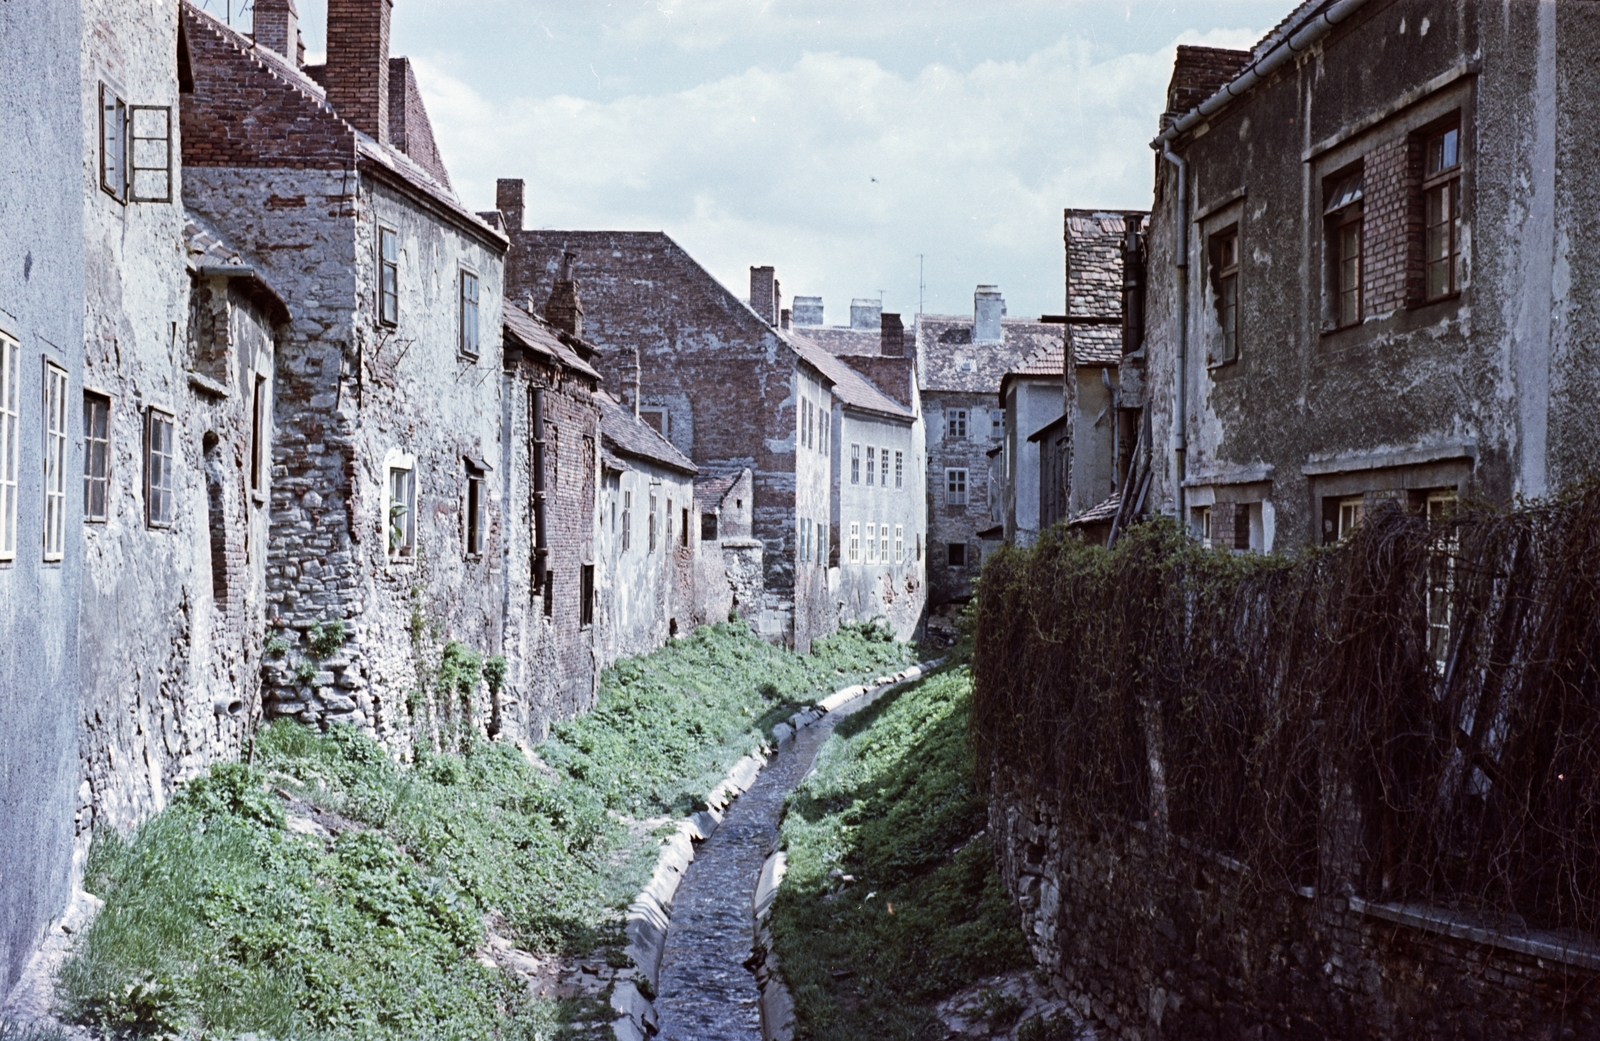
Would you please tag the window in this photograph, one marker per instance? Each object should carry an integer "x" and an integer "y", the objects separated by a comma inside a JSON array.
[
  {"x": 872, "y": 543},
  {"x": 1441, "y": 575},
  {"x": 899, "y": 543},
  {"x": 652, "y": 522},
  {"x": 96, "y": 456},
  {"x": 8, "y": 447},
  {"x": 150, "y": 141},
  {"x": 855, "y": 464},
  {"x": 1225, "y": 281},
  {"x": 1200, "y": 523},
  {"x": 1441, "y": 197},
  {"x": 955, "y": 487},
  {"x": 1344, "y": 213},
  {"x": 627, "y": 520},
  {"x": 683, "y": 529},
  {"x": 55, "y": 460},
  {"x": 258, "y": 431},
  {"x": 708, "y": 527},
  {"x": 586, "y": 596},
  {"x": 475, "y": 518},
  {"x": 855, "y": 542},
  {"x": 401, "y": 513},
  {"x": 899, "y": 469},
  {"x": 469, "y": 314},
  {"x": 388, "y": 276},
  {"x": 997, "y": 423},
  {"x": 824, "y": 418},
  {"x": 158, "y": 465},
  {"x": 957, "y": 554},
  {"x": 657, "y": 419},
  {"x": 823, "y": 548},
  {"x": 113, "y": 144},
  {"x": 883, "y": 465},
  {"x": 956, "y": 424},
  {"x": 883, "y": 543},
  {"x": 872, "y": 466},
  {"x": 1351, "y": 511}
]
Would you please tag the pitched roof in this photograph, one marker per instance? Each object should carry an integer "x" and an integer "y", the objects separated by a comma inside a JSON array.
[
  {"x": 410, "y": 129},
  {"x": 628, "y": 435},
  {"x": 1105, "y": 511},
  {"x": 949, "y": 361},
  {"x": 1095, "y": 344},
  {"x": 839, "y": 339},
  {"x": 532, "y": 332},
  {"x": 713, "y": 490},
  {"x": 1094, "y": 261},
  {"x": 852, "y": 388}
]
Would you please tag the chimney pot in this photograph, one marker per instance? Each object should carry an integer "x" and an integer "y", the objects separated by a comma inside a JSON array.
[
  {"x": 357, "y": 73},
  {"x": 277, "y": 25},
  {"x": 564, "y": 309},
  {"x": 508, "y": 193}
]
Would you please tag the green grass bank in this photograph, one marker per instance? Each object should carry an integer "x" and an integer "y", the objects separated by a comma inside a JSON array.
[
  {"x": 328, "y": 891},
  {"x": 891, "y": 901}
]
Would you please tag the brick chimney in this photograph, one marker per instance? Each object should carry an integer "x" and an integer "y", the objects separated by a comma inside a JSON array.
[
  {"x": 277, "y": 25},
  {"x": 564, "y": 310},
  {"x": 764, "y": 298},
  {"x": 892, "y": 337},
  {"x": 508, "y": 200},
  {"x": 357, "y": 76},
  {"x": 988, "y": 307}
]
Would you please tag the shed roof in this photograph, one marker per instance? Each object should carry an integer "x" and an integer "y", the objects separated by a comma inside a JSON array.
[{"x": 532, "y": 332}]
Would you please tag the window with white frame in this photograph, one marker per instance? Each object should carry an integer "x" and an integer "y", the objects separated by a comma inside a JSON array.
[
  {"x": 400, "y": 513},
  {"x": 899, "y": 469},
  {"x": 822, "y": 544},
  {"x": 955, "y": 487},
  {"x": 855, "y": 542},
  {"x": 826, "y": 419},
  {"x": 855, "y": 464},
  {"x": 883, "y": 467},
  {"x": 997, "y": 423},
  {"x": 883, "y": 543},
  {"x": 899, "y": 543},
  {"x": 956, "y": 424},
  {"x": 159, "y": 463},
  {"x": 113, "y": 144},
  {"x": 872, "y": 543},
  {"x": 469, "y": 314},
  {"x": 9, "y": 449},
  {"x": 872, "y": 466},
  {"x": 653, "y": 508},
  {"x": 96, "y": 456},
  {"x": 55, "y": 461},
  {"x": 627, "y": 519},
  {"x": 149, "y": 153}
]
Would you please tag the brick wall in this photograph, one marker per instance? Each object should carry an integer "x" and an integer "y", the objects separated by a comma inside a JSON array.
[
  {"x": 357, "y": 71},
  {"x": 1200, "y": 72}
]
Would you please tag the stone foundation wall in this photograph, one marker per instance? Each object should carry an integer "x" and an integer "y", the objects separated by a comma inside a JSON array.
[{"x": 1148, "y": 951}]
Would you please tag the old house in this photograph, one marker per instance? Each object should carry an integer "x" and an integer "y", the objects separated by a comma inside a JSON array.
[
  {"x": 388, "y": 407},
  {"x": 1366, "y": 269},
  {"x": 715, "y": 378},
  {"x": 960, "y": 362},
  {"x": 728, "y": 564},
  {"x": 549, "y": 449},
  {"x": 1031, "y": 399}
]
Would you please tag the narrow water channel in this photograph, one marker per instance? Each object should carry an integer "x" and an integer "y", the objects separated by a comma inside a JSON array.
[{"x": 705, "y": 992}]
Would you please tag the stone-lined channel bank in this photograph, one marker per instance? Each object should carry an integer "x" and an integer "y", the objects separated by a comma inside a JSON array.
[{"x": 707, "y": 990}]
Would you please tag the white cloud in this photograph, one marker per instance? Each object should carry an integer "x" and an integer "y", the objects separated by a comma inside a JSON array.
[{"x": 834, "y": 169}]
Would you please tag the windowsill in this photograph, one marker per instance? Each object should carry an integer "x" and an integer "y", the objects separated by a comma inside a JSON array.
[
  {"x": 1425, "y": 304},
  {"x": 382, "y": 324},
  {"x": 464, "y": 356},
  {"x": 1215, "y": 365},
  {"x": 259, "y": 498}
]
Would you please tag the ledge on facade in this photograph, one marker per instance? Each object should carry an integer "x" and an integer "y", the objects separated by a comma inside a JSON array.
[
  {"x": 1243, "y": 475},
  {"x": 993, "y": 534},
  {"x": 1386, "y": 460},
  {"x": 207, "y": 385},
  {"x": 1583, "y": 954}
]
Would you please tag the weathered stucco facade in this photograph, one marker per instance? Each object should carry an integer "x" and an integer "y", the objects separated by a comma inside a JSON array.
[{"x": 1447, "y": 127}]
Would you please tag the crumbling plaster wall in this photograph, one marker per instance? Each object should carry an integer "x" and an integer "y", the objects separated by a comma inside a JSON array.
[
  {"x": 352, "y": 397},
  {"x": 1496, "y": 376},
  {"x": 640, "y": 602},
  {"x": 46, "y": 181},
  {"x": 814, "y": 462},
  {"x": 553, "y": 660}
]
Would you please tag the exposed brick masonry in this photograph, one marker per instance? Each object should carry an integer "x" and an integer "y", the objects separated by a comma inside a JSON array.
[{"x": 358, "y": 64}]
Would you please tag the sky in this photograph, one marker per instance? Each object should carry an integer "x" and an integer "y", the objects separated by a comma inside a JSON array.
[{"x": 851, "y": 144}]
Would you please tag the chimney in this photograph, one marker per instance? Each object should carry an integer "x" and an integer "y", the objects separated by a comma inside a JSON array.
[
  {"x": 785, "y": 318},
  {"x": 508, "y": 200},
  {"x": 764, "y": 294},
  {"x": 357, "y": 76},
  {"x": 277, "y": 25},
  {"x": 865, "y": 312},
  {"x": 564, "y": 310},
  {"x": 892, "y": 337},
  {"x": 808, "y": 310},
  {"x": 988, "y": 307}
]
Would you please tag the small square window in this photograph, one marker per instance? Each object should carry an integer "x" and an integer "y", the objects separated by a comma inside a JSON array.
[
  {"x": 159, "y": 462},
  {"x": 955, "y": 487},
  {"x": 956, "y": 424},
  {"x": 957, "y": 554}
]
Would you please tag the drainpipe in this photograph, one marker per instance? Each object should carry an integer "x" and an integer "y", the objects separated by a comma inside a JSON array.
[
  {"x": 1180, "y": 263},
  {"x": 540, "y": 548}
]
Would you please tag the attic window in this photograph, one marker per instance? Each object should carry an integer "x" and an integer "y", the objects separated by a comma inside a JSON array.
[{"x": 1345, "y": 193}]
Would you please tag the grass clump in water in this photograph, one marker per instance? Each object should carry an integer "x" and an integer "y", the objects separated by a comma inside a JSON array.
[
  {"x": 920, "y": 912},
  {"x": 330, "y": 891}
]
